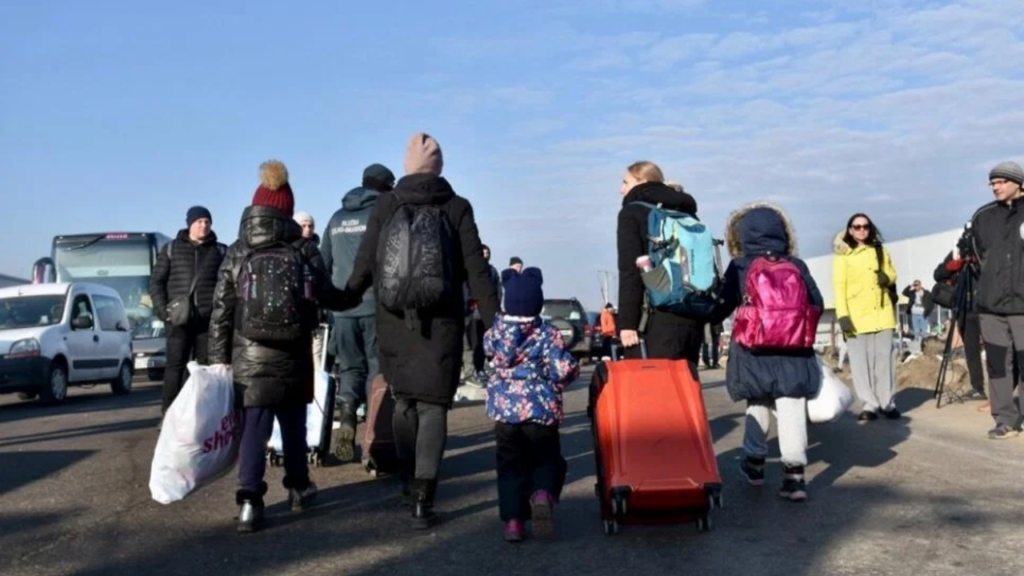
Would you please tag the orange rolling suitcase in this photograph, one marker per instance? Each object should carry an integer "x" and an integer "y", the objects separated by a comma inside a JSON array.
[{"x": 652, "y": 444}]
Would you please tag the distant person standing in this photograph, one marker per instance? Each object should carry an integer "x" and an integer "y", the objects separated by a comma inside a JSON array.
[
  {"x": 355, "y": 330},
  {"x": 921, "y": 307},
  {"x": 475, "y": 327},
  {"x": 308, "y": 225},
  {"x": 181, "y": 287},
  {"x": 710, "y": 349}
]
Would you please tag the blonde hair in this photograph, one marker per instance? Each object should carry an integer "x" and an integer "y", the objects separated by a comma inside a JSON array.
[{"x": 647, "y": 171}]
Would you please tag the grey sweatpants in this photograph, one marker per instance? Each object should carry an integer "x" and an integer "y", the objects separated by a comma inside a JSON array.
[
  {"x": 873, "y": 368},
  {"x": 791, "y": 416},
  {"x": 1004, "y": 354}
]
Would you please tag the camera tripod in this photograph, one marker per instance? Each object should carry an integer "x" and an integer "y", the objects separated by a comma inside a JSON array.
[{"x": 963, "y": 295}]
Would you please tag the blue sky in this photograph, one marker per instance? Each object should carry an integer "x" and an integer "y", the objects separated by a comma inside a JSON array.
[{"x": 120, "y": 115}]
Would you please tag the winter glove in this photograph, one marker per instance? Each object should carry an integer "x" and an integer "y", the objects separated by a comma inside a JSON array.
[
  {"x": 883, "y": 279},
  {"x": 954, "y": 265},
  {"x": 846, "y": 325}
]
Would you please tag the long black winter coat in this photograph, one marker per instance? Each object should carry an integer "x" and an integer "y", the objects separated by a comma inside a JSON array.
[
  {"x": 172, "y": 275},
  {"x": 633, "y": 243},
  {"x": 269, "y": 375},
  {"x": 424, "y": 363},
  {"x": 755, "y": 230}
]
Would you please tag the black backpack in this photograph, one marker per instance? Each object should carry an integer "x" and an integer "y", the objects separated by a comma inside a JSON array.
[
  {"x": 275, "y": 299},
  {"x": 414, "y": 258}
]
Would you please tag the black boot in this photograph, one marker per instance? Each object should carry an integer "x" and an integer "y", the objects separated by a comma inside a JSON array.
[
  {"x": 423, "y": 516},
  {"x": 344, "y": 437},
  {"x": 250, "y": 509},
  {"x": 301, "y": 492},
  {"x": 405, "y": 491}
]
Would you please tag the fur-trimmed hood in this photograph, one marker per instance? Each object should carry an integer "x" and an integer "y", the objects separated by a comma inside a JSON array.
[
  {"x": 839, "y": 245},
  {"x": 760, "y": 227}
]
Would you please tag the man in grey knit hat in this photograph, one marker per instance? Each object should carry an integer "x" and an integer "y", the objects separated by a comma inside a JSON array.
[{"x": 998, "y": 230}]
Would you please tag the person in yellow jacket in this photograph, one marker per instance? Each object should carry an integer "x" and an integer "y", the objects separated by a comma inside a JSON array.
[{"x": 863, "y": 275}]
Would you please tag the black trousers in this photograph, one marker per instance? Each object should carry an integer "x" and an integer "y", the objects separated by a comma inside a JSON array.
[
  {"x": 183, "y": 345},
  {"x": 475, "y": 330},
  {"x": 668, "y": 337},
  {"x": 529, "y": 458},
  {"x": 970, "y": 331},
  {"x": 421, "y": 432},
  {"x": 709, "y": 350}
]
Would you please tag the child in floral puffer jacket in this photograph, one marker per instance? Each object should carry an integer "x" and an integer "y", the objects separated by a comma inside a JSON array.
[{"x": 524, "y": 397}]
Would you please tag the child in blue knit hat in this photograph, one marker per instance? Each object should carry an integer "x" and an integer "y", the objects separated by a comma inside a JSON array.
[{"x": 524, "y": 397}]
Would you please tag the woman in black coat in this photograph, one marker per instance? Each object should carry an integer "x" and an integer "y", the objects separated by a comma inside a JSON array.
[
  {"x": 421, "y": 361},
  {"x": 666, "y": 335}
]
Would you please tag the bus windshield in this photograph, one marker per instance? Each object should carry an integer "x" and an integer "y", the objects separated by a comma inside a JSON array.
[{"x": 122, "y": 264}]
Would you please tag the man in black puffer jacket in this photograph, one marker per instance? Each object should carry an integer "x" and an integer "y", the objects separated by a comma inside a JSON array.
[
  {"x": 186, "y": 271},
  {"x": 273, "y": 373}
]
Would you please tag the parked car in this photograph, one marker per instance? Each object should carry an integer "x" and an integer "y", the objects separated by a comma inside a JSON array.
[
  {"x": 570, "y": 317},
  {"x": 53, "y": 336},
  {"x": 149, "y": 345}
]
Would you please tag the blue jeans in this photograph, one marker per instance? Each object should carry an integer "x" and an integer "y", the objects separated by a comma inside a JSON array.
[
  {"x": 920, "y": 325},
  {"x": 357, "y": 357}
]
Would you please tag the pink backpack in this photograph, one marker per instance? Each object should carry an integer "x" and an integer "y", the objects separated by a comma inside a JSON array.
[{"x": 776, "y": 313}]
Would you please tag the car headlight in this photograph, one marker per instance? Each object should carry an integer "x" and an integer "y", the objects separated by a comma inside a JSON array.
[{"x": 27, "y": 348}]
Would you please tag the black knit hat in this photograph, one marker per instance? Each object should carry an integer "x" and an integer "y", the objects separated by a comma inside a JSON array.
[
  {"x": 195, "y": 213},
  {"x": 378, "y": 177}
]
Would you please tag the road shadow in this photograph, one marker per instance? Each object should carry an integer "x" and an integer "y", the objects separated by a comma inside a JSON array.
[
  {"x": 80, "y": 404},
  {"x": 22, "y": 468},
  {"x": 79, "y": 432}
]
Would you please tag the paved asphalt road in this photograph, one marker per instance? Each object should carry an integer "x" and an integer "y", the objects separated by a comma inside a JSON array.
[{"x": 929, "y": 495}]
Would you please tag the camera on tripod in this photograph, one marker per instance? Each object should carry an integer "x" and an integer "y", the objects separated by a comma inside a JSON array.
[{"x": 965, "y": 246}]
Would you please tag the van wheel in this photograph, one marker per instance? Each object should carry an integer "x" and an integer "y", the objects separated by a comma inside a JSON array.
[
  {"x": 56, "y": 388},
  {"x": 122, "y": 386}
]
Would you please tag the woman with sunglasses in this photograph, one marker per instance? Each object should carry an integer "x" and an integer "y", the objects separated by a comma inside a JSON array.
[{"x": 864, "y": 275}]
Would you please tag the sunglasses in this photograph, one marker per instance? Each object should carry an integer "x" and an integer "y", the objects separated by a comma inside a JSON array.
[{"x": 860, "y": 227}]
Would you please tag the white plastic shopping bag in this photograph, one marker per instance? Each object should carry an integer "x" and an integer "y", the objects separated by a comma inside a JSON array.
[
  {"x": 200, "y": 435},
  {"x": 833, "y": 399}
]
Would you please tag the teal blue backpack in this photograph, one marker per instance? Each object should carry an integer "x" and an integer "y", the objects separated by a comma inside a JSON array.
[{"x": 685, "y": 276}]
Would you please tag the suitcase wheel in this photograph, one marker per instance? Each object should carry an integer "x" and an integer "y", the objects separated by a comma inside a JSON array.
[
  {"x": 611, "y": 527},
  {"x": 619, "y": 505},
  {"x": 619, "y": 497},
  {"x": 716, "y": 500},
  {"x": 704, "y": 523}
]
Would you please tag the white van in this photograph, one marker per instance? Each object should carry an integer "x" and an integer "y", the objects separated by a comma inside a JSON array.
[{"x": 57, "y": 335}]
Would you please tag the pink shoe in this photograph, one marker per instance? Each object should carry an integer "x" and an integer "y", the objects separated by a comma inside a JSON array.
[
  {"x": 542, "y": 505},
  {"x": 514, "y": 531}
]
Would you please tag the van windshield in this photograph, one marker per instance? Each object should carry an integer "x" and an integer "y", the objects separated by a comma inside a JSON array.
[{"x": 31, "y": 311}]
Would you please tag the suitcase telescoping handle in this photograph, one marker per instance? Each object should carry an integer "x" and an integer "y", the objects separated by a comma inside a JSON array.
[{"x": 615, "y": 350}]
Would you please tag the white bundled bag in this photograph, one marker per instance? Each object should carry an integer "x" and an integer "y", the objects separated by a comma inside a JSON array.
[
  {"x": 834, "y": 398},
  {"x": 200, "y": 435}
]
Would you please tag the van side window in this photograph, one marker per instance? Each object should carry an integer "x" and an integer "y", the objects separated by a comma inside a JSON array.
[
  {"x": 109, "y": 312},
  {"x": 81, "y": 307}
]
